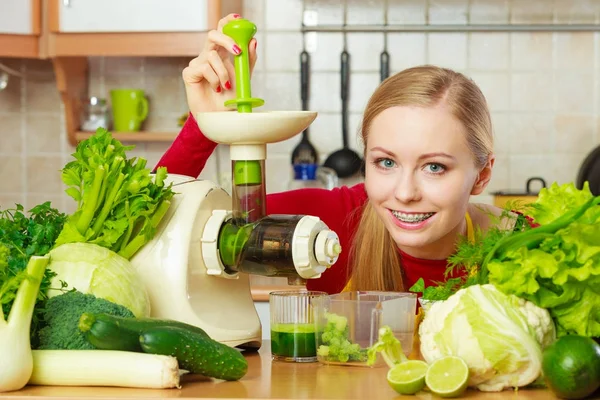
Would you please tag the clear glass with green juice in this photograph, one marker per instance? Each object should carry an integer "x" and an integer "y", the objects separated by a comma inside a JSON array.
[{"x": 293, "y": 325}]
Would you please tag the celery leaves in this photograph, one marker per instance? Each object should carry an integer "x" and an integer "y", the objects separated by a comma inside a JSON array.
[{"x": 120, "y": 203}]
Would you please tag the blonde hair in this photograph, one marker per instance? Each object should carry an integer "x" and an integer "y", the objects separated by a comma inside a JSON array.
[{"x": 374, "y": 257}]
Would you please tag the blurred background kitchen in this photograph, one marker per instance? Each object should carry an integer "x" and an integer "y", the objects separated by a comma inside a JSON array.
[{"x": 543, "y": 88}]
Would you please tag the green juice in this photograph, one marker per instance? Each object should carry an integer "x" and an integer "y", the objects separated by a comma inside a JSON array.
[{"x": 293, "y": 340}]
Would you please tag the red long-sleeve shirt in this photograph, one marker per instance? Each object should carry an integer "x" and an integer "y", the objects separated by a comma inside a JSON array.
[{"x": 339, "y": 208}]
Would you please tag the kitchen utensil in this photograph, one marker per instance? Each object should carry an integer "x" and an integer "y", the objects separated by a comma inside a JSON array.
[
  {"x": 345, "y": 162},
  {"x": 366, "y": 312},
  {"x": 502, "y": 197},
  {"x": 590, "y": 172},
  {"x": 129, "y": 108},
  {"x": 304, "y": 152},
  {"x": 196, "y": 268},
  {"x": 293, "y": 325},
  {"x": 384, "y": 57}
]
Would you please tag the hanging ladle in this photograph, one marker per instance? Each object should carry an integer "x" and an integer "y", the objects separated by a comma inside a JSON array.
[
  {"x": 384, "y": 57},
  {"x": 304, "y": 152},
  {"x": 345, "y": 162}
]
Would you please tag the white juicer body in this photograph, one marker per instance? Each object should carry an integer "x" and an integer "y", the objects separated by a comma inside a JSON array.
[{"x": 175, "y": 274}]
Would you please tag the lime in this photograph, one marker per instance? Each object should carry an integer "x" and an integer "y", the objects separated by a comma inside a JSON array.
[
  {"x": 571, "y": 366},
  {"x": 447, "y": 376},
  {"x": 408, "y": 377}
]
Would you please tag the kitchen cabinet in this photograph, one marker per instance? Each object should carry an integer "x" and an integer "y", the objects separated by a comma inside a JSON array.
[
  {"x": 131, "y": 16},
  {"x": 20, "y": 27},
  {"x": 77, "y": 29}
]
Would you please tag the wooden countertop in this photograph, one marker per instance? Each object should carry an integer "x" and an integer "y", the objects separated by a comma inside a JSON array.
[{"x": 267, "y": 379}]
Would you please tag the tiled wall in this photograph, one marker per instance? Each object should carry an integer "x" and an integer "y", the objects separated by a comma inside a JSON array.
[{"x": 543, "y": 88}]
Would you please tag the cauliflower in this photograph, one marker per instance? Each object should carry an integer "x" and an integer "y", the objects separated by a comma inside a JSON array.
[{"x": 500, "y": 337}]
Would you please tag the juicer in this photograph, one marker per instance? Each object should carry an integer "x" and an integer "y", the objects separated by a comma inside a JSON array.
[{"x": 196, "y": 268}]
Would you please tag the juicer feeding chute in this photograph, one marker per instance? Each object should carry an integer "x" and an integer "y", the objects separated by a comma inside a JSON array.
[{"x": 198, "y": 265}]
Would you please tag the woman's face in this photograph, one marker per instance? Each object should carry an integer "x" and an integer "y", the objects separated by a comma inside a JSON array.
[{"x": 420, "y": 173}]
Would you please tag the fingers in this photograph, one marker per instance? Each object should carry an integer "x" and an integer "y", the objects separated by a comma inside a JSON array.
[
  {"x": 195, "y": 73},
  {"x": 216, "y": 37},
  {"x": 218, "y": 67},
  {"x": 252, "y": 53}
]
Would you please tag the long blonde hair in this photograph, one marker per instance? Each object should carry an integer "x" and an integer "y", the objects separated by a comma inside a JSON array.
[{"x": 374, "y": 257}]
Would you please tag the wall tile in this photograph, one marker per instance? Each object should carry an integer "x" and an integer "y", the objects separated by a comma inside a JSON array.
[
  {"x": 329, "y": 12},
  {"x": 8, "y": 201},
  {"x": 523, "y": 167},
  {"x": 283, "y": 52},
  {"x": 489, "y": 11},
  {"x": 283, "y": 15},
  {"x": 532, "y": 91},
  {"x": 531, "y": 134},
  {"x": 566, "y": 166},
  {"x": 11, "y": 166},
  {"x": 576, "y": 12},
  {"x": 448, "y": 50},
  {"x": 41, "y": 95},
  {"x": 325, "y": 92},
  {"x": 362, "y": 86},
  {"x": 575, "y": 92},
  {"x": 43, "y": 174},
  {"x": 406, "y": 50},
  {"x": 365, "y": 12},
  {"x": 500, "y": 175},
  {"x": 407, "y": 12},
  {"x": 502, "y": 132},
  {"x": 326, "y": 57},
  {"x": 575, "y": 51},
  {"x": 574, "y": 133},
  {"x": 448, "y": 12},
  {"x": 44, "y": 133},
  {"x": 11, "y": 133},
  {"x": 56, "y": 201},
  {"x": 495, "y": 87},
  {"x": 531, "y": 11},
  {"x": 489, "y": 51},
  {"x": 364, "y": 51},
  {"x": 531, "y": 51}
]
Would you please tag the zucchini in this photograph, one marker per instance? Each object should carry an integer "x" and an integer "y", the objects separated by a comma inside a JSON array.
[
  {"x": 110, "y": 332},
  {"x": 196, "y": 353}
]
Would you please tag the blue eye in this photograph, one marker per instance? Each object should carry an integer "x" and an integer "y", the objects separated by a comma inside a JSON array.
[
  {"x": 385, "y": 163},
  {"x": 435, "y": 168}
]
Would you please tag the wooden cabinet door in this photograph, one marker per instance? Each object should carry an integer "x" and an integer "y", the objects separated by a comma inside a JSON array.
[
  {"x": 89, "y": 16},
  {"x": 20, "y": 17}
]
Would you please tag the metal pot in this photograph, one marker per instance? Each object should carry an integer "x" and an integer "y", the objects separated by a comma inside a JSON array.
[{"x": 528, "y": 196}]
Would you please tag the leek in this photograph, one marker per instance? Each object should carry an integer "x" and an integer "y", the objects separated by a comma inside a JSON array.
[
  {"x": 104, "y": 368},
  {"x": 16, "y": 360}
]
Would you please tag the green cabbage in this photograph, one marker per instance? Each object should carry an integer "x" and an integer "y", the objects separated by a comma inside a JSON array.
[
  {"x": 93, "y": 269},
  {"x": 499, "y": 336}
]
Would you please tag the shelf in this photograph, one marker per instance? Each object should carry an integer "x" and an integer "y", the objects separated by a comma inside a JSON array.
[
  {"x": 19, "y": 46},
  {"x": 141, "y": 136},
  {"x": 395, "y": 28}
]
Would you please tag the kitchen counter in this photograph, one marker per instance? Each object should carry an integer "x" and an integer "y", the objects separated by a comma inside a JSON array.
[{"x": 267, "y": 379}]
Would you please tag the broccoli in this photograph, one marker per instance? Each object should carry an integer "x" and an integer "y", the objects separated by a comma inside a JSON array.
[
  {"x": 61, "y": 318},
  {"x": 336, "y": 345}
]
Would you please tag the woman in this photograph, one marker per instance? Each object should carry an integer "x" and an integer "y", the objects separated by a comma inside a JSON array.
[{"x": 428, "y": 148}]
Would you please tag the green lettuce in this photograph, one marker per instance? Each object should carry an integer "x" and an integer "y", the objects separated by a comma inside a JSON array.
[{"x": 561, "y": 271}]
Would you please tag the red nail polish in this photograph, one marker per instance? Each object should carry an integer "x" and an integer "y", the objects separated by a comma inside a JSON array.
[
  {"x": 236, "y": 15},
  {"x": 236, "y": 49},
  {"x": 255, "y": 44},
  {"x": 227, "y": 85},
  {"x": 218, "y": 89}
]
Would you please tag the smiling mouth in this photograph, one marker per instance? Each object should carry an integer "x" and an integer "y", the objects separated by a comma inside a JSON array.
[{"x": 412, "y": 218}]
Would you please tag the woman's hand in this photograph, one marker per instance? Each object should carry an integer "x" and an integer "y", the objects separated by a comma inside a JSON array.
[{"x": 210, "y": 78}]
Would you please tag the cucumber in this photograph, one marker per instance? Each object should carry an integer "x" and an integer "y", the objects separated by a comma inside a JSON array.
[
  {"x": 196, "y": 353},
  {"x": 109, "y": 332}
]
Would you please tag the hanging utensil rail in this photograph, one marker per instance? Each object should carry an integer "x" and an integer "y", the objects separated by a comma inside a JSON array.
[{"x": 376, "y": 28}]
